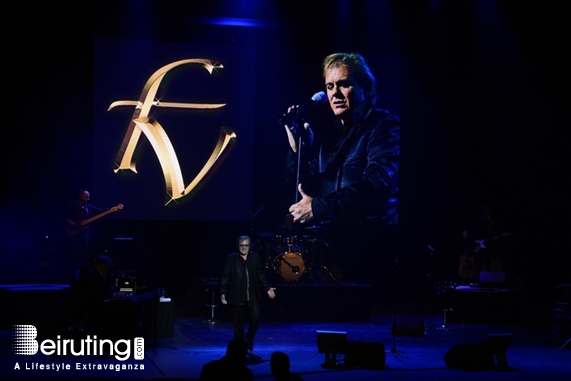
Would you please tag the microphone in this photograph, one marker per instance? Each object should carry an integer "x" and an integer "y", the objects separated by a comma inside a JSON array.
[{"x": 293, "y": 118}]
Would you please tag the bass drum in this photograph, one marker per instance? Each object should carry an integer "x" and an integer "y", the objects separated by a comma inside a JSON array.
[{"x": 290, "y": 266}]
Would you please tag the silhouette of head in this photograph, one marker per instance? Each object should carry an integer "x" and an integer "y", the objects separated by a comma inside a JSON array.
[
  {"x": 236, "y": 351},
  {"x": 103, "y": 263},
  {"x": 279, "y": 363}
]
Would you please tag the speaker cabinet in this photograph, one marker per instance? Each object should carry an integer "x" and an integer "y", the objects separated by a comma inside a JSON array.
[
  {"x": 480, "y": 356},
  {"x": 470, "y": 356},
  {"x": 365, "y": 355},
  {"x": 409, "y": 326}
]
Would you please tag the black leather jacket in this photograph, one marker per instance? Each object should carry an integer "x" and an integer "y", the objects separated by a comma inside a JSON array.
[
  {"x": 359, "y": 173},
  {"x": 233, "y": 277}
]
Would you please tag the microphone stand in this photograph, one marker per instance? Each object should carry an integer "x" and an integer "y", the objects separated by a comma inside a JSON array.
[
  {"x": 253, "y": 222},
  {"x": 294, "y": 128},
  {"x": 155, "y": 345},
  {"x": 394, "y": 350},
  {"x": 294, "y": 118},
  {"x": 431, "y": 288},
  {"x": 297, "y": 176}
]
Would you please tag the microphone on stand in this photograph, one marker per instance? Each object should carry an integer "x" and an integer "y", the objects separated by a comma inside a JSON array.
[{"x": 293, "y": 118}]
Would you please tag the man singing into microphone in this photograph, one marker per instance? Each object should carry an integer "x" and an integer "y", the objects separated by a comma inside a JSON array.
[
  {"x": 350, "y": 171},
  {"x": 242, "y": 283}
]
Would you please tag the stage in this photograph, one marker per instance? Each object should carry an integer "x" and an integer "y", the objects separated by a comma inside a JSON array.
[{"x": 533, "y": 353}]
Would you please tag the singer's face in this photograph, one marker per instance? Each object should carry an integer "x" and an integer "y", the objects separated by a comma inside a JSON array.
[
  {"x": 244, "y": 246},
  {"x": 342, "y": 91}
]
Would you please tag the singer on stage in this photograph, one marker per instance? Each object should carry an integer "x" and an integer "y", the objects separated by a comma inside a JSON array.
[
  {"x": 348, "y": 172},
  {"x": 241, "y": 286}
]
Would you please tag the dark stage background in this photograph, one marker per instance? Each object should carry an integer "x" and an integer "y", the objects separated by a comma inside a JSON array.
[{"x": 481, "y": 88}]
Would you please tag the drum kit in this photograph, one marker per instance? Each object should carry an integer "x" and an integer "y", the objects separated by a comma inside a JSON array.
[{"x": 292, "y": 257}]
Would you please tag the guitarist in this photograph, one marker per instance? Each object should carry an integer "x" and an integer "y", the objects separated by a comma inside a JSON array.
[
  {"x": 79, "y": 211},
  {"x": 467, "y": 269},
  {"x": 485, "y": 233}
]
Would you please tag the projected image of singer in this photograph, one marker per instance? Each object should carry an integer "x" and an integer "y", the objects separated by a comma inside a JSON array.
[{"x": 348, "y": 172}]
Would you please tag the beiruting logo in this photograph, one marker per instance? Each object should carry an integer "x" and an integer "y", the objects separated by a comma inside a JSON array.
[{"x": 25, "y": 343}]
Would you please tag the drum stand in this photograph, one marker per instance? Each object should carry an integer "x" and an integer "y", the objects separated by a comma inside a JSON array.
[
  {"x": 325, "y": 274},
  {"x": 316, "y": 269}
]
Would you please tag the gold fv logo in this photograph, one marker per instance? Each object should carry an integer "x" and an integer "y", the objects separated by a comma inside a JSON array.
[{"x": 143, "y": 122}]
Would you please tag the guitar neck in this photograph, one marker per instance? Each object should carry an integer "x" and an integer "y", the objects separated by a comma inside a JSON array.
[
  {"x": 90, "y": 220},
  {"x": 487, "y": 240}
]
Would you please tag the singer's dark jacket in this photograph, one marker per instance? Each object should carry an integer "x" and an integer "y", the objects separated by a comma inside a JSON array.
[
  {"x": 233, "y": 276},
  {"x": 358, "y": 173}
]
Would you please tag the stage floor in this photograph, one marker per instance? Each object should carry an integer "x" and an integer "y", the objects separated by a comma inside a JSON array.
[{"x": 534, "y": 352}]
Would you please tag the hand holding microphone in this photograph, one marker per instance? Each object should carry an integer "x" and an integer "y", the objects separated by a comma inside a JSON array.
[
  {"x": 293, "y": 121},
  {"x": 294, "y": 134}
]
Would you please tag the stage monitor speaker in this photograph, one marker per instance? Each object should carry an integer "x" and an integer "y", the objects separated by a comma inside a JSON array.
[
  {"x": 480, "y": 356},
  {"x": 409, "y": 326},
  {"x": 331, "y": 343},
  {"x": 498, "y": 344},
  {"x": 365, "y": 355}
]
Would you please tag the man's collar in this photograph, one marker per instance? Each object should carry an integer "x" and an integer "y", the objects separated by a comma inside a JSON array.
[{"x": 360, "y": 113}]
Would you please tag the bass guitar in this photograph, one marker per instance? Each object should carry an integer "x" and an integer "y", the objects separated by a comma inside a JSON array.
[
  {"x": 468, "y": 269},
  {"x": 78, "y": 226},
  {"x": 481, "y": 244}
]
